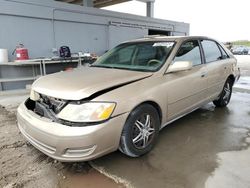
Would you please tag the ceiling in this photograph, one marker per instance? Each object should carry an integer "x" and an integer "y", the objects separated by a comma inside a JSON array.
[{"x": 96, "y": 3}]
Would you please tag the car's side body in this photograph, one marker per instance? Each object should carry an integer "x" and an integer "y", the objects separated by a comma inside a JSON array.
[
  {"x": 176, "y": 94},
  {"x": 170, "y": 94}
]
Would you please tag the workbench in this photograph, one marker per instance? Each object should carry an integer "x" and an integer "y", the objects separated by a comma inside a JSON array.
[{"x": 18, "y": 74}]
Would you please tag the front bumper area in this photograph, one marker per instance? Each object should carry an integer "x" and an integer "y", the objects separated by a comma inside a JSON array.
[{"x": 68, "y": 144}]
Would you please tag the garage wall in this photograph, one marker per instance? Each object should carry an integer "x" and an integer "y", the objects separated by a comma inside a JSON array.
[
  {"x": 47, "y": 24},
  {"x": 117, "y": 34},
  {"x": 34, "y": 33},
  {"x": 81, "y": 36}
]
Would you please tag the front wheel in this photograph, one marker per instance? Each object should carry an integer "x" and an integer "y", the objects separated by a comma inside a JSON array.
[
  {"x": 140, "y": 131},
  {"x": 225, "y": 95}
]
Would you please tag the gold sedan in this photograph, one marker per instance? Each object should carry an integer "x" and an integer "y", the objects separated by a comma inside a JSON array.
[{"x": 124, "y": 98}]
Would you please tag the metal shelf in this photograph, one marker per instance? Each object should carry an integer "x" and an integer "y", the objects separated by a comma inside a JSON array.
[
  {"x": 21, "y": 63},
  {"x": 18, "y": 79},
  {"x": 41, "y": 63}
]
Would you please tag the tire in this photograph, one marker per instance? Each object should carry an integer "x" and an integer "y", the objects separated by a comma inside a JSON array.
[
  {"x": 140, "y": 131},
  {"x": 225, "y": 95}
]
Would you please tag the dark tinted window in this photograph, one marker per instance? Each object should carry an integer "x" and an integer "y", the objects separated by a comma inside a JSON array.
[
  {"x": 189, "y": 51},
  {"x": 211, "y": 51}
]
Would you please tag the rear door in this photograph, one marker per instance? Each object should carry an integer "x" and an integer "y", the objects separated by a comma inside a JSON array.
[
  {"x": 187, "y": 89},
  {"x": 218, "y": 67}
]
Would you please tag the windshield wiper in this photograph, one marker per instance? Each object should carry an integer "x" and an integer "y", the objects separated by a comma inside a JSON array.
[
  {"x": 102, "y": 66},
  {"x": 123, "y": 68}
]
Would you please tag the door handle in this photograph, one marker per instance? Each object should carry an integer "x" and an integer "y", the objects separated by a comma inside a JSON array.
[{"x": 203, "y": 74}]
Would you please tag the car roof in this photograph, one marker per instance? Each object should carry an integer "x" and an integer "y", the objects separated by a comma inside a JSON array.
[{"x": 165, "y": 38}]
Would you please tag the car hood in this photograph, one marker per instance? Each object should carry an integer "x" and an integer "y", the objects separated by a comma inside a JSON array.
[{"x": 83, "y": 82}]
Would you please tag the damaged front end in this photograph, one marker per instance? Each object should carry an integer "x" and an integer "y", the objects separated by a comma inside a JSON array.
[
  {"x": 46, "y": 106},
  {"x": 70, "y": 113}
]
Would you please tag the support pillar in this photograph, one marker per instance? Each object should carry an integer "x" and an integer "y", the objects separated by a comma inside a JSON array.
[
  {"x": 88, "y": 3},
  {"x": 150, "y": 9}
]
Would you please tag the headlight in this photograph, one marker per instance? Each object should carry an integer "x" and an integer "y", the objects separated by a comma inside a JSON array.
[{"x": 87, "y": 112}]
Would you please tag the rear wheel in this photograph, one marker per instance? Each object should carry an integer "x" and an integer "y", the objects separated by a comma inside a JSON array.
[
  {"x": 225, "y": 95},
  {"x": 140, "y": 131}
]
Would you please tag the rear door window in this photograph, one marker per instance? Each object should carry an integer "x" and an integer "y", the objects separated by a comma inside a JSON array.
[
  {"x": 224, "y": 54},
  {"x": 211, "y": 51}
]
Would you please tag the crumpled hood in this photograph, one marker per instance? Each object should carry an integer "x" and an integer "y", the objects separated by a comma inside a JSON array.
[{"x": 83, "y": 82}]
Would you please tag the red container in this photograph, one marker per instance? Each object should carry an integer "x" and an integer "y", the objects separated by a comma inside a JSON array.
[{"x": 22, "y": 53}]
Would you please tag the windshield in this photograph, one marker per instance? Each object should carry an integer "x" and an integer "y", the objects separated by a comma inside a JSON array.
[{"x": 146, "y": 56}]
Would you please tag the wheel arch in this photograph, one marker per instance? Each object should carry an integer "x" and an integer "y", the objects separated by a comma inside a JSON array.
[{"x": 152, "y": 103}]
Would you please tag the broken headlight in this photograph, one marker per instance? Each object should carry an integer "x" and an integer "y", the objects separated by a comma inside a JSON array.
[{"x": 87, "y": 112}]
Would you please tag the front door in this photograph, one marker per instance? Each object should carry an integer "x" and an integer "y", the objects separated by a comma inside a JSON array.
[{"x": 187, "y": 89}]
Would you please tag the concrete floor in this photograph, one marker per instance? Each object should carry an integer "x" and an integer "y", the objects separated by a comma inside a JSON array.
[
  {"x": 207, "y": 148},
  {"x": 195, "y": 151}
]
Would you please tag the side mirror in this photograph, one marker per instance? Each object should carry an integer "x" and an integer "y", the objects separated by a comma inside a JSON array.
[{"x": 180, "y": 66}]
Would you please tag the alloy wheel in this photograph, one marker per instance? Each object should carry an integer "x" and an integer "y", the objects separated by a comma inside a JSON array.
[
  {"x": 227, "y": 92},
  {"x": 143, "y": 131}
]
